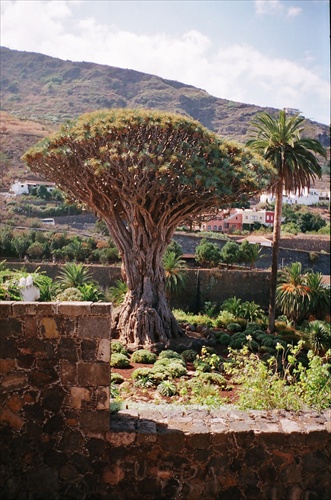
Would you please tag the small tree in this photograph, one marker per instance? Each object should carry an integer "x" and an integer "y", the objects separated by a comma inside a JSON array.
[
  {"x": 250, "y": 253},
  {"x": 230, "y": 253},
  {"x": 146, "y": 172},
  {"x": 207, "y": 254}
]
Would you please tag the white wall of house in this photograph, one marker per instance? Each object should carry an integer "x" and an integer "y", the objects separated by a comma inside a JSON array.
[
  {"x": 311, "y": 197},
  {"x": 19, "y": 188}
]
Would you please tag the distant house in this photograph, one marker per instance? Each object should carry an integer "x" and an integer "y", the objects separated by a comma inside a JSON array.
[
  {"x": 313, "y": 196},
  {"x": 25, "y": 187},
  {"x": 235, "y": 220}
]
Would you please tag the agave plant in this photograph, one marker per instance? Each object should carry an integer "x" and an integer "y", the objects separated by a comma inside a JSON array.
[
  {"x": 318, "y": 336},
  {"x": 74, "y": 275}
]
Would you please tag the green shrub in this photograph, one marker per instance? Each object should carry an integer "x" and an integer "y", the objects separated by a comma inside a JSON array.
[
  {"x": 143, "y": 356},
  {"x": 201, "y": 366},
  {"x": 116, "y": 378},
  {"x": 169, "y": 354},
  {"x": 119, "y": 360},
  {"x": 176, "y": 369},
  {"x": 213, "y": 378},
  {"x": 234, "y": 327},
  {"x": 189, "y": 355},
  {"x": 167, "y": 388},
  {"x": 70, "y": 294},
  {"x": 149, "y": 377},
  {"x": 224, "y": 318},
  {"x": 237, "y": 342},
  {"x": 223, "y": 338},
  {"x": 116, "y": 346}
]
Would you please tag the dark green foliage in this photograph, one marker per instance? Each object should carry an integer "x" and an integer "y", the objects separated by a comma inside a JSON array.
[
  {"x": 213, "y": 378},
  {"x": 223, "y": 338},
  {"x": 234, "y": 327},
  {"x": 230, "y": 253},
  {"x": 189, "y": 355},
  {"x": 207, "y": 254}
]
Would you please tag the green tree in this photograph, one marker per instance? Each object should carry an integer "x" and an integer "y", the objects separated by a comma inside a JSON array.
[
  {"x": 145, "y": 172},
  {"x": 230, "y": 253},
  {"x": 250, "y": 253},
  {"x": 296, "y": 164},
  {"x": 207, "y": 253}
]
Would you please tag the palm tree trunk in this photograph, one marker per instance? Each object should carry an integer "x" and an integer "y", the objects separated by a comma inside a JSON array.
[{"x": 275, "y": 255}]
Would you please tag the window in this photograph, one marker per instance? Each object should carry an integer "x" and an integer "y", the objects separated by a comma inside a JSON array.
[{"x": 226, "y": 225}]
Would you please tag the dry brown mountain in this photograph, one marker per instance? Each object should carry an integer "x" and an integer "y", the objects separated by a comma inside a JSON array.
[{"x": 39, "y": 92}]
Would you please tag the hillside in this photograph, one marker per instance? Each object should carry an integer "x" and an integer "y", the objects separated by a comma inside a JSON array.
[{"x": 39, "y": 92}]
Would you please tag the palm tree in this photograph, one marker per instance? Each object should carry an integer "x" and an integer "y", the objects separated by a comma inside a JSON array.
[
  {"x": 279, "y": 140},
  {"x": 175, "y": 272}
]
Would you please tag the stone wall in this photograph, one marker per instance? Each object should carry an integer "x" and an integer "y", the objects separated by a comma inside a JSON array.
[{"x": 60, "y": 441}]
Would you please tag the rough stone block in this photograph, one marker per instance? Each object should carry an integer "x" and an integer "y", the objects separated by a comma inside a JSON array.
[
  {"x": 12, "y": 419},
  {"x": 6, "y": 365},
  {"x": 30, "y": 326},
  {"x": 74, "y": 308},
  {"x": 93, "y": 374},
  {"x": 13, "y": 381},
  {"x": 94, "y": 327},
  {"x": 10, "y": 327},
  {"x": 101, "y": 309},
  {"x": 49, "y": 328},
  {"x": 104, "y": 351},
  {"x": 5, "y": 309},
  {"x": 121, "y": 438},
  {"x": 102, "y": 396},
  {"x": 48, "y": 309},
  {"x": 68, "y": 373},
  {"x": 94, "y": 421},
  {"x": 78, "y": 395},
  {"x": 25, "y": 309}
]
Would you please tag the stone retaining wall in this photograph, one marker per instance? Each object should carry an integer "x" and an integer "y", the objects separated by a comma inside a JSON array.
[{"x": 59, "y": 440}]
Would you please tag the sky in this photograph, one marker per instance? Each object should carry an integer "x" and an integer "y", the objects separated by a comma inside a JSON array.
[{"x": 273, "y": 53}]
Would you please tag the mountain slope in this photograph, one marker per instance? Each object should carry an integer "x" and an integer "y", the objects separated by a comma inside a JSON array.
[{"x": 48, "y": 91}]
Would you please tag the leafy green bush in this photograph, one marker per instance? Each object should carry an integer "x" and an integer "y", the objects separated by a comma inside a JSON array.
[
  {"x": 223, "y": 338},
  {"x": 167, "y": 388},
  {"x": 70, "y": 294},
  {"x": 223, "y": 319},
  {"x": 119, "y": 360},
  {"x": 116, "y": 378},
  {"x": 213, "y": 378},
  {"x": 176, "y": 369},
  {"x": 169, "y": 354},
  {"x": 234, "y": 327},
  {"x": 143, "y": 356},
  {"x": 116, "y": 346},
  {"x": 149, "y": 377},
  {"x": 189, "y": 355}
]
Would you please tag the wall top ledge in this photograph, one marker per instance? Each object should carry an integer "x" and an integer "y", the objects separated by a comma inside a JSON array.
[
  {"x": 201, "y": 420},
  {"x": 18, "y": 308}
]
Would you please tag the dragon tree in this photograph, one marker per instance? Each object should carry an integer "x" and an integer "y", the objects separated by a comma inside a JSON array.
[{"x": 144, "y": 173}]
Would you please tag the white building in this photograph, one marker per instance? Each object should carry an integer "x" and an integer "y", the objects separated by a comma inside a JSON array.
[
  {"x": 25, "y": 187},
  {"x": 308, "y": 197}
]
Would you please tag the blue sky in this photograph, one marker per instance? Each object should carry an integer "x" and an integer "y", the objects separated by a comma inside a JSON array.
[{"x": 265, "y": 52}]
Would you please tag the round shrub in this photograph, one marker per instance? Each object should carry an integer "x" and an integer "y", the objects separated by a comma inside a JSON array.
[
  {"x": 119, "y": 360},
  {"x": 253, "y": 326},
  {"x": 267, "y": 341},
  {"x": 169, "y": 354},
  {"x": 189, "y": 355},
  {"x": 176, "y": 369},
  {"x": 223, "y": 338},
  {"x": 167, "y": 388},
  {"x": 143, "y": 356},
  {"x": 70, "y": 295},
  {"x": 208, "y": 350},
  {"x": 116, "y": 346},
  {"x": 238, "y": 342},
  {"x": 116, "y": 378},
  {"x": 234, "y": 327}
]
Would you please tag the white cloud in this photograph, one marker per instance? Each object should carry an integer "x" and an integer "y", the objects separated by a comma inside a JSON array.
[
  {"x": 238, "y": 72},
  {"x": 275, "y": 7}
]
